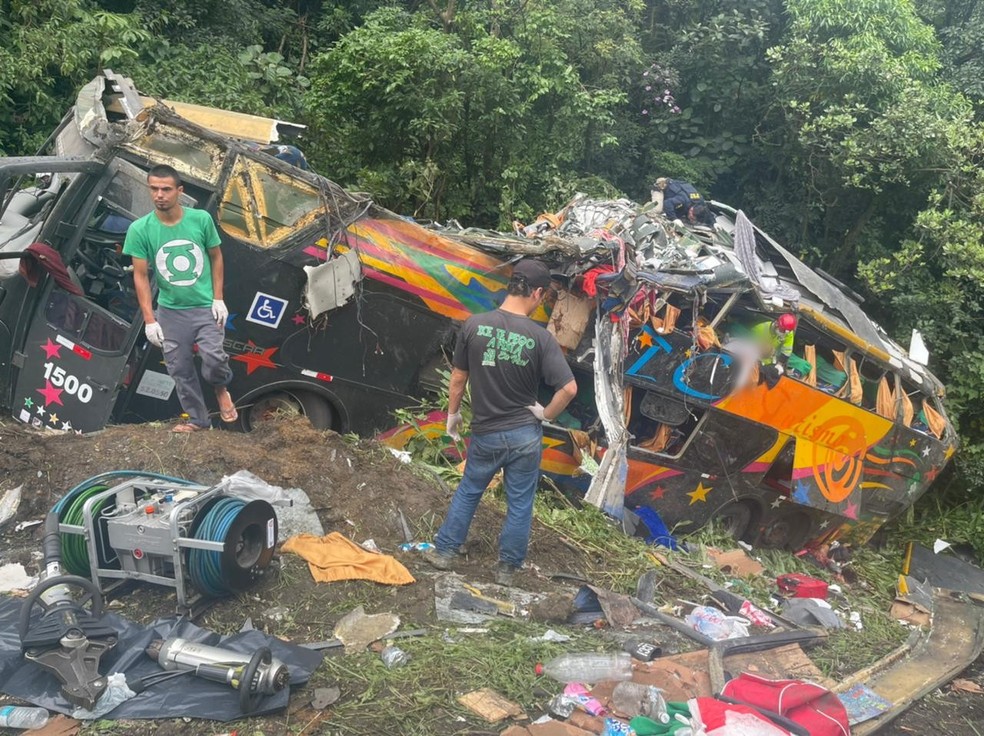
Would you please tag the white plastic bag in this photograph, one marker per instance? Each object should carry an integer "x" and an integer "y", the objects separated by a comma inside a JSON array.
[{"x": 714, "y": 624}]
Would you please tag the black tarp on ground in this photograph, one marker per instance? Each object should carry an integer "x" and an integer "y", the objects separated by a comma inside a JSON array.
[{"x": 187, "y": 696}]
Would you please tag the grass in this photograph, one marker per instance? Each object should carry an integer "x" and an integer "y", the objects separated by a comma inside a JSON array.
[{"x": 420, "y": 698}]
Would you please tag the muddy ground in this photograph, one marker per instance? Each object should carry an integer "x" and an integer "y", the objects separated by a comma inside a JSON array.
[{"x": 357, "y": 488}]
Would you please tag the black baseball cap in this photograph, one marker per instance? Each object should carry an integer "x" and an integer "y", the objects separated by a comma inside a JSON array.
[{"x": 534, "y": 272}]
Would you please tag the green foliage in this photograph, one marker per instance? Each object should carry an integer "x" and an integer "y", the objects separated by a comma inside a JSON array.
[
  {"x": 865, "y": 124},
  {"x": 48, "y": 49},
  {"x": 476, "y": 124}
]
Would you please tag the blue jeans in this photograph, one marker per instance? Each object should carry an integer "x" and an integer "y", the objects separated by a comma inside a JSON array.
[{"x": 518, "y": 452}]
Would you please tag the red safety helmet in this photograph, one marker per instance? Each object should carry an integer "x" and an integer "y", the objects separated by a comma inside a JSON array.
[{"x": 786, "y": 322}]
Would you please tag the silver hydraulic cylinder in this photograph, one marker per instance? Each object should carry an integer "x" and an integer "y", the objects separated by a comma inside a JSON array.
[{"x": 220, "y": 665}]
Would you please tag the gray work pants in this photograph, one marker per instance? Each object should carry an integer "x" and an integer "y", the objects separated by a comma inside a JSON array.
[{"x": 183, "y": 329}]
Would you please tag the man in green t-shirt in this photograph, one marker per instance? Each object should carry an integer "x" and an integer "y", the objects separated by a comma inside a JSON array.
[{"x": 183, "y": 246}]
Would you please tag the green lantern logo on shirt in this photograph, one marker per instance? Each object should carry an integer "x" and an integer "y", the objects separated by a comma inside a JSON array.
[{"x": 180, "y": 262}]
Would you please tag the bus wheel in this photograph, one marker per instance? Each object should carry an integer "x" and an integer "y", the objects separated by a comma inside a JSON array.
[
  {"x": 734, "y": 519},
  {"x": 293, "y": 403},
  {"x": 788, "y": 531},
  {"x": 316, "y": 409}
]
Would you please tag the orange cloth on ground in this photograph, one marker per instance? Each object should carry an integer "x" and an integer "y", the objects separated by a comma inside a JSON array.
[{"x": 334, "y": 557}]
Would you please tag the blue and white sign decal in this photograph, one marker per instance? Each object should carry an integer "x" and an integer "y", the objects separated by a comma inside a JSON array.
[{"x": 267, "y": 310}]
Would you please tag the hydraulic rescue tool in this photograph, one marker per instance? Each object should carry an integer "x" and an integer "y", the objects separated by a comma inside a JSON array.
[
  {"x": 69, "y": 637},
  {"x": 253, "y": 675},
  {"x": 204, "y": 542}
]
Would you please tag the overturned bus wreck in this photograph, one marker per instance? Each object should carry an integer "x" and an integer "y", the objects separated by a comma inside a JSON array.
[{"x": 345, "y": 311}]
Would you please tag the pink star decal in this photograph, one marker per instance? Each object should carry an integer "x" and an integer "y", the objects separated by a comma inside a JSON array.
[
  {"x": 299, "y": 319},
  {"x": 657, "y": 493},
  {"x": 851, "y": 511},
  {"x": 51, "y": 394},
  {"x": 51, "y": 350}
]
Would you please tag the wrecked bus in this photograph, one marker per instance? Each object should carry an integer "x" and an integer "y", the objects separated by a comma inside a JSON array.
[{"x": 344, "y": 311}]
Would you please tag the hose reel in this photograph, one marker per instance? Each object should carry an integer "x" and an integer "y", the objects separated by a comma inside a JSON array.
[{"x": 204, "y": 542}]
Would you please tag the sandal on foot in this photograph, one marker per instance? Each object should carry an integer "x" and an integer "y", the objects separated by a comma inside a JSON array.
[
  {"x": 186, "y": 427},
  {"x": 227, "y": 409}
]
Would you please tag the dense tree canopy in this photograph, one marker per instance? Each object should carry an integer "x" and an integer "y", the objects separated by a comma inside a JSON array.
[{"x": 850, "y": 129}]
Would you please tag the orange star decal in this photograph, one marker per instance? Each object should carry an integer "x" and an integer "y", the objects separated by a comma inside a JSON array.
[
  {"x": 699, "y": 494},
  {"x": 645, "y": 339},
  {"x": 256, "y": 358}
]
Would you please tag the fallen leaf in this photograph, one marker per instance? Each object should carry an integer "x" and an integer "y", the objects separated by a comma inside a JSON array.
[{"x": 966, "y": 686}]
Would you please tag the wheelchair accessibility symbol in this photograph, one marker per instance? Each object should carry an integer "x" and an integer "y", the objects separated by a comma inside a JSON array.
[{"x": 266, "y": 310}]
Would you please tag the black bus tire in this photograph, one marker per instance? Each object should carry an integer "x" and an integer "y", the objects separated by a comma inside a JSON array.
[
  {"x": 317, "y": 409},
  {"x": 734, "y": 519},
  {"x": 290, "y": 403},
  {"x": 788, "y": 530}
]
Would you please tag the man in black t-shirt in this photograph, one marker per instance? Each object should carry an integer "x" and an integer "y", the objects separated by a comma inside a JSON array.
[{"x": 505, "y": 355}]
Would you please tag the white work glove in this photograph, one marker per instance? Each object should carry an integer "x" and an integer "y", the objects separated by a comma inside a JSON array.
[
  {"x": 537, "y": 411},
  {"x": 154, "y": 333},
  {"x": 220, "y": 313},
  {"x": 454, "y": 426},
  {"x": 779, "y": 369}
]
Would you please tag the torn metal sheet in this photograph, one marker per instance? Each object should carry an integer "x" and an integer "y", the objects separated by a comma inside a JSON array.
[
  {"x": 332, "y": 284},
  {"x": 955, "y": 640},
  {"x": 607, "y": 489},
  {"x": 943, "y": 571}
]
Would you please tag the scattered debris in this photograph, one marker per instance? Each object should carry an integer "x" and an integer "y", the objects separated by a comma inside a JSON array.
[
  {"x": 943, "y": 571},
  {"x": 357, "y": 629},
  {"x": 966, "y": 686},
  {"x": 490, "y": 705},
  {"x": 862, "y": 704},
  {"x": 735, "y": 562},
  {"x": 9, "y": 503},
  {"x": 13, "y": 577},
  {"x": 325, "y": 696},
  {"x": 799, "y": 585}
]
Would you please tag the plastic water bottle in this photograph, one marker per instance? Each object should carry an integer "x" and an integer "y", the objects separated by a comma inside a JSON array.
[
  {"x": 588, "y": 667},
  {"x": 394, "y": 657},
  {"x": 18, "y": 716}
]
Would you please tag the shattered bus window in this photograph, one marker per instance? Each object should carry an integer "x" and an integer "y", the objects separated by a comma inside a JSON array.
[
  {"x": 195, "y": 158},
  {"x": 263, "y": 207}
]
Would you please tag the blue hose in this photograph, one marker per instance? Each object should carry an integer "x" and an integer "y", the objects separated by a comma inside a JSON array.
[
  {"x": 74, "y": 552},
  {"x": 205, "y": 566}
]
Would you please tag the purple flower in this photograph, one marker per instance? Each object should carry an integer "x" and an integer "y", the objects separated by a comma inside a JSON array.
[
  {"x": 676, "y": 109},
  {"x": 645, "y": 112},
  {"x": 666, "y": 91}
]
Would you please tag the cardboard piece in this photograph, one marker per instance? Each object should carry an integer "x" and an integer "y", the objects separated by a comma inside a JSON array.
[
  {"x": 60, "y": 725},
  {"x": 735, "y": 562},
  {"x": 569, "y": 318},
  {"x": 594, "y": 724},
  {"x": 783, "y": 663},
  {"x": 556, "y": 728},
  {"x": 911, "y": 613},
  {"x": 491, "y": 706},
  {"x": 680, "y": 677}
]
